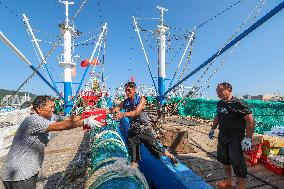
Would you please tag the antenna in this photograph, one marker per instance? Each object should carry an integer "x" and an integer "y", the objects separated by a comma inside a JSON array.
[
  {"x": 162, "y": 10},
  {"x": 66, "y": 3}
]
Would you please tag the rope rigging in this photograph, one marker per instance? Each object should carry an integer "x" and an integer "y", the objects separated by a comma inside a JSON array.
[
  {"x": 45, "y": 33},
  {"x": 254, "y": 12},
  {"x": 261, "y": 4},
  {"x": 55, "y": 44},
  {"x": 145, "y": 54},
  {"x": 189, "y": 44},
  {"x": 35, "y": 44},
  {"x": 219, "y": 14}
]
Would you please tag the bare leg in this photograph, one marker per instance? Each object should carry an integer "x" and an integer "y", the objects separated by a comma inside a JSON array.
[
  {"x": 167, "y": 153},
  {"x": 229, "y": 172},
  {"x": 229, "y": 181},
  {"x": 134, "y": 164},
  {"x": 241, "y": 183},
  {"x": 172, "y": 157}
]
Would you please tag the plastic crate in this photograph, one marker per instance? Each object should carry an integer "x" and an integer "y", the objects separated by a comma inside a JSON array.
[
  {"x": 274, "y": 168},
  {"x": 263, "y": 158}
]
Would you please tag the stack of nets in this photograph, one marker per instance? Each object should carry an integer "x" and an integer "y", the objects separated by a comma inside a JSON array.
[{"x": 266, "y": 114}]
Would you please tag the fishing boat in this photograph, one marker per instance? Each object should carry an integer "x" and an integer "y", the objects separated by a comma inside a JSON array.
[{"x": 181, "y": 117}]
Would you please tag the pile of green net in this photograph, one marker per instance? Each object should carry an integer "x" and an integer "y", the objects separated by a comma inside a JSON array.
[
  {"x": 110, "y": 167},
  {"x": 266, "y": 114}
]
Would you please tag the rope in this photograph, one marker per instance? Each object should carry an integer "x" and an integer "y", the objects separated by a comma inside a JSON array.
[
  {"x": 45, "y": 33},
  {"x": 182, "y": 101},
  {"x": 55, "y": 44},
  {"x": 260, "y": 5},
  {"x": 145, "y": 54},
  {"x": 219, "y": 14},
  {"x": 187, "y": 61},
  {"x": 190, "y": 41}
]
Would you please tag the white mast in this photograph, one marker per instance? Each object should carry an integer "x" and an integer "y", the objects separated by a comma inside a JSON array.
[
  {"x": 162, "y": 29},
  {"x": 67, "y": 62}
]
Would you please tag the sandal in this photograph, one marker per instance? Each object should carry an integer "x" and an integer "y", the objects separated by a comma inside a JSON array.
[
  {"x": 174, "y": 162},
  {"x": 224, "y": 184}
]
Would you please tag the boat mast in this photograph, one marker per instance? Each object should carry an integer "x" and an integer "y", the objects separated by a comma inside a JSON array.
[
  {"x": 67, "y": 62},
  {"x": 162, "y": 29}
]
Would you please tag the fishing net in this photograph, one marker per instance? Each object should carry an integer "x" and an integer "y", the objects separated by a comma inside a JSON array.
[
  {"x": 103, "y": 162},
  {"x": 266, "y": 114}
]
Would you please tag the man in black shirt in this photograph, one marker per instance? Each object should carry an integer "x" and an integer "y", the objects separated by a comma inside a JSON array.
[{"x": 236, "y": 127}]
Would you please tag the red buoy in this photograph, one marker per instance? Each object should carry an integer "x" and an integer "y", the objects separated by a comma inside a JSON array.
[{"x": 84, "y": 63}]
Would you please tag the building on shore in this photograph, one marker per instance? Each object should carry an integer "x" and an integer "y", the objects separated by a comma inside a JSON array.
[
  {"x": 264, "y": 97},
  {"x": 16, "y": 100}
]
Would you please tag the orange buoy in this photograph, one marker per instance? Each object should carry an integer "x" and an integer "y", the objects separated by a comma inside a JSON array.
[{"x": 95, "y": 62}]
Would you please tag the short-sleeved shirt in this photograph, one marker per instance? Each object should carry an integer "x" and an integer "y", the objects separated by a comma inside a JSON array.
[
  {"x": 25, "y": 157},
  {"x": 231, "y": 117}
]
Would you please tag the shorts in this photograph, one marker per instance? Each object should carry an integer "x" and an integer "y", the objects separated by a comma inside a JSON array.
[
  {"x": 22, "y": 184},
  {"x": 229, "y": 152}
]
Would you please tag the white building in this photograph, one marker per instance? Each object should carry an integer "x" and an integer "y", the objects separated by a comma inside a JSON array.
[{"x": 16, "y": 100}]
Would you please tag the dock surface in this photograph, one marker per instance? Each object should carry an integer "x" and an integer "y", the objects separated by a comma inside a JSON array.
[
  {"x": 60, "y": 150},
  {"x": 202, "y": 159}
]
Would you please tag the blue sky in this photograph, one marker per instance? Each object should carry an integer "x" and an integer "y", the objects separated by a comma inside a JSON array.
[{"x": 254, "y": 67}]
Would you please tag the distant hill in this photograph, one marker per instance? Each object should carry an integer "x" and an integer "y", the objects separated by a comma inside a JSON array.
[{"x": 4, "y": 92}]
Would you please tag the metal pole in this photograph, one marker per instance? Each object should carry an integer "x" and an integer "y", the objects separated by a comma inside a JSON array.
[
  {"x": 25, "y": 60},
  {"x": 162, "y": 29},
  {"x": 67, "y": 63},
  {"x": 144, "y": 51},
  {"x": 26, "y": 20}
]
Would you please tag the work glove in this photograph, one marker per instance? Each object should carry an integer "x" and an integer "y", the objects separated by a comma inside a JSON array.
[
  {"x": 91, "y": 122},
  {"x": 246, "y": 144},
  {"x": 211, "y": 133}
]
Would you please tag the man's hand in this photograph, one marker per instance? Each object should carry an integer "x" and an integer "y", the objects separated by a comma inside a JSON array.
[
  {"x": 246, "y": 144},
  {"x": 211, "y": 133},
  {"x": 118, "y": 115},
  {"x": 91, "y": 122}
]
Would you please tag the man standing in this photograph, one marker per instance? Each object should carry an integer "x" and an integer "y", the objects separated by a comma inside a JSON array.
[
  {"x": 26, "y": 155},
  {"x": 140, "y": 130},
  {"x": 236, "y": 127}
]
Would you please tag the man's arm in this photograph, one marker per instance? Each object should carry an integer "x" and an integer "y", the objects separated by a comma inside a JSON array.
[
  {"x": 75, "y": 118},
  {"x": 115, "y": 109},
  {"x": 132, "y": 113},
  {"x": 215, "y": 122},
  {"x": 214, "y": 126},
  {"x": 69, "y": 123},
  {"x": 249, "y": 125}
]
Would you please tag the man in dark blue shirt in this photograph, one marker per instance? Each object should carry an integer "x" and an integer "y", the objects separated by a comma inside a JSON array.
[
  {"x": 236, "y": 127},
  {"x": 140, "y": 130}
]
